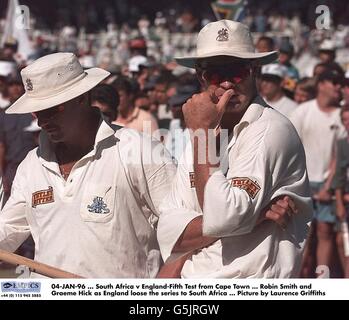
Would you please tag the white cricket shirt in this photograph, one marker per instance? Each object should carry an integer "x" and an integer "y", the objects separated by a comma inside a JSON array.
[
  {"x": 101, "y": 221},
  {"x": 265, "y": 160}
]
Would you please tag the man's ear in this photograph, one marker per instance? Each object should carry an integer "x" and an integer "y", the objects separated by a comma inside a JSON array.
[
  {"x": 199, "y": 74},
  {"x": 84, "y": 99}
]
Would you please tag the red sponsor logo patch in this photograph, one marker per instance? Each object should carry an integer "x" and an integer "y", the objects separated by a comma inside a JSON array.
[
  {"x": 42, "y": 197},
  {"x": 251, "y": 187}
]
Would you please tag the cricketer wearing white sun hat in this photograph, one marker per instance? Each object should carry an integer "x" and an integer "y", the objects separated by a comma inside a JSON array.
[
  {"x": 54, "y": 79},
  {"x": 226, "y": 38}
]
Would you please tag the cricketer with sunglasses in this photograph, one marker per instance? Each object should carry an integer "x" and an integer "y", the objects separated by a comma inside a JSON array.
[{"x": 212, "y": 223}]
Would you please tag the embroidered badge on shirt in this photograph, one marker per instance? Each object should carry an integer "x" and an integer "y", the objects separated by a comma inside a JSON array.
[
  {"x": 98, "y": 206},
  {"x": 42, "y": 197},
  {"x": 251, "y": 187},
  {"x": 223, "y": 35},
  {"x": 192, "y": 179}
]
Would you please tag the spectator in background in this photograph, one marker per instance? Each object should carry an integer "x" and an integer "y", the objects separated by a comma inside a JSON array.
[
  {"x": 341, "y": 186},
  {"x": 319, "y": 68},
  {"x": 138, "y": 47},
  {"x": 260, "y": 21},
  {"x": 15, "y": 143},
  {"x": 142, "y": 101},
  {"x": 271, "y": 89},
  {"x": 327, "y": 51},
  {"x": 305, "y": 90},
  {"x": 319, "y": 126},
  {"x": 138, "y": 69},
  {"x": 323, "y": 66},
  {"x": 9, "y": 51},
  {"x": 106, "y": 98},
  {"x": 160, "y": 96},
  {"x": 7, "y": 69},
  {"x": 130, "y": 116},
  {"x": 179, "y": 136},
  {"x": 265, "y": 44},
  {"x": 286, "y": 52},
  {"x": 345, "y": 89}
]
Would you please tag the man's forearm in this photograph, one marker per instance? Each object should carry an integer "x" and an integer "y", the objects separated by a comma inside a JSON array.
[
  {"x": 192, "y": 237},
  {"x": 203, "y": 155}
]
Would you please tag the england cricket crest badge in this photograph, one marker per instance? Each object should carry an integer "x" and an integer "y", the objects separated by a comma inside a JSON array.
[
  {"x": 98, "y": 206},
  {"x": 223, "y": 35},
  {"x": 29, "y": 85}
]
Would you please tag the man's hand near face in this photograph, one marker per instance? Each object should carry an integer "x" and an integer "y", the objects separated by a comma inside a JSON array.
[{"x": 205, "y": 110}]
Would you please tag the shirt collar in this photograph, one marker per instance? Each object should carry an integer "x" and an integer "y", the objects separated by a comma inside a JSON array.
[{"x": 252, "y": 114}]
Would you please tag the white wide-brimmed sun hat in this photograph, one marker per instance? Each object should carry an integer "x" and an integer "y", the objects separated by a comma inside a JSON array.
[
  {"x": 274, "y": 69},
  {"x": 226, "y": 38},
  {"x": 7, "y": 68},
  {"x": 54, "y": 79}
]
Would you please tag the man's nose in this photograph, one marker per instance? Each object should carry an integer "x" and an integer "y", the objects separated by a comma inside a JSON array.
[
  {"x": 43, "y": 119},
  {"x": 226, "y": 85}
]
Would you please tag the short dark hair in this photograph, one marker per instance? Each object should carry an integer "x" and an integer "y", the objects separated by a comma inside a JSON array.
[
  {"x": 344, "y": 108},
  {"x": 330, "y": 75},
  {"x": 123, "y": 84},
  {"x": 308, "y": 85},
  {"x": 331, "y": 66},
  {"x": 106, "y": 94},
  {"x": 270, "y": 41}
]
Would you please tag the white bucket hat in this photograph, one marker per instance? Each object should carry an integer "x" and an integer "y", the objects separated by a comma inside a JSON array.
[
  {"x": 54, "y": 79},
  {"x": 7, "y": 68},
  {"x": 226, "y": 38},
  {"x": 274, "y": 69},
  {"x": 327, "y": 45},
  {"x": 137, "y": 61}
]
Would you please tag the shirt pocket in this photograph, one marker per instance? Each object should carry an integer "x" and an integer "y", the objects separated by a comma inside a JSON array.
[{"x": 98, "y": 203}]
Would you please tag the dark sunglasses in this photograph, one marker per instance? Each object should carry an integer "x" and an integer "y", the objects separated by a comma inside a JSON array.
[
  {"x": 218, "y": 74},
  {"x": 336, "y": 81}
]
